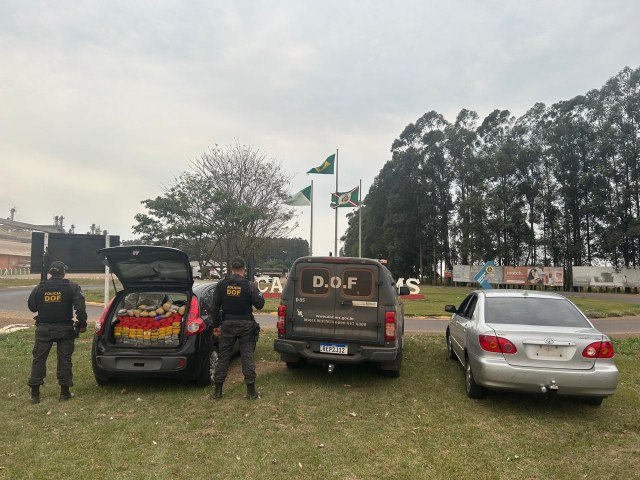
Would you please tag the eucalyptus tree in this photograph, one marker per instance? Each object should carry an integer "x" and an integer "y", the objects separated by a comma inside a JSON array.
[
  {"x": 469, "y": 181},
  {"x": 619, "y": 102},
  {"x": 571, "y": 144},
  {"x": 505, "y": 203},
  {"x": 530, "y": 160}
]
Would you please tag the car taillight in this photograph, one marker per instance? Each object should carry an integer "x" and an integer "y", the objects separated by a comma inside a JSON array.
[
  {"x": 99, "y": 326},
  {"x": 495, "y": 344},
  {"x": 598, "y": 350},
  {"x": 389, "y": 326},
  {"x": 195, "y": 324},
  {"x": 282, "y": 314}
]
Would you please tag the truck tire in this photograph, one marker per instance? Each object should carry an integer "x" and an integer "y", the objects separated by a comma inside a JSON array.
[{"x": 392, "y": 369}]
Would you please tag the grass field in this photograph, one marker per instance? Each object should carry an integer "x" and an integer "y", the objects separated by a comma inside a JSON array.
[
  {"x": 353, "y": 424},
  {"x": 432, "y": 305}
]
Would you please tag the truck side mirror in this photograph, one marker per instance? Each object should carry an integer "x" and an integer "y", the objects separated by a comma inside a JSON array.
[{"x": 403, "y": 290}]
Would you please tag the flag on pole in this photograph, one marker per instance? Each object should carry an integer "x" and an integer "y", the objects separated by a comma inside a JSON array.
[
  {"x": 326, "y": 167},
  {"x": 300, "y": 199},
  {"x": 345, "y": 199}
]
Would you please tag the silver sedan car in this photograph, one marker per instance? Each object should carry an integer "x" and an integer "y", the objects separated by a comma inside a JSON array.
[{"x": 530, "y": 341}]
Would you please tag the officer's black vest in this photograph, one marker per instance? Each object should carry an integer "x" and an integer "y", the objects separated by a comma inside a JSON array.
[
  {"x": 235, "y": 299},
  {"x": 55, "y": 301}
]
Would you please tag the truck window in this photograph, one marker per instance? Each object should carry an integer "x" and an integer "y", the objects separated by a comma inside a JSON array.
[
  {"x": 357, "y": 283},
  {"x": 314, "y": 281}
]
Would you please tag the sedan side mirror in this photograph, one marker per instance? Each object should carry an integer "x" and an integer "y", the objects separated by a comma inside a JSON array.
[{"x": 450, "y": 309}]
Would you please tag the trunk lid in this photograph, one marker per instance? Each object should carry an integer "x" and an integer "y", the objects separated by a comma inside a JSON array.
[{"x": 145, "y": 267}]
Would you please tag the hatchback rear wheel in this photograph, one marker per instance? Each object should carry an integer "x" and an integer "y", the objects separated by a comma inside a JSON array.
[
  {"x": 101, "y": 378},
  {"x": 209, "y": 369}
]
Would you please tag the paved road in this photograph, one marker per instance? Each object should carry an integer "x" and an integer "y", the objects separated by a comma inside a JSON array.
[
  {"x": 616, "y": 326},
  {"x": 15, "y": 300}
]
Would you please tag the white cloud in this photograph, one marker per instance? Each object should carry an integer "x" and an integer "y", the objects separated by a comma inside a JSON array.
[{"x": 113, "y": 98}]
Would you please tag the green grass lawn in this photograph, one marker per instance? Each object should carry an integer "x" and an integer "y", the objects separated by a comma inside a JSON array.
[{"x": 353, "y": 424}]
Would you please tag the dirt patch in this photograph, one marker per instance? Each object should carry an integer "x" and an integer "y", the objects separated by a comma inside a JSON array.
[{"x": 13, "y": 318}]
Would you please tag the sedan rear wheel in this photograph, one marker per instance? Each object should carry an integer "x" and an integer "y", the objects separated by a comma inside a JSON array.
[
  {"x": 595, "y": 401},
  {"x": 473, "y": 389}
]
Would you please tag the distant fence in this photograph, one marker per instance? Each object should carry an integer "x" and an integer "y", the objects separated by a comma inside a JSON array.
[{"x": 6, "y": 272}]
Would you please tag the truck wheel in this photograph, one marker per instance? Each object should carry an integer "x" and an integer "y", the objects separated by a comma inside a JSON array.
[
  {"x": 393, "y": 369},
  {"x": 473, "y": 389},
  {"x": 294, "y": 365},
  {"x": 208, "y": 369}
]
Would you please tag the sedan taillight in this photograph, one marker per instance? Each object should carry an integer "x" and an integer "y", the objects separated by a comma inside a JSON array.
[
  {"x": 495, "y": 344},
  {"x": 598, "y": 350}
]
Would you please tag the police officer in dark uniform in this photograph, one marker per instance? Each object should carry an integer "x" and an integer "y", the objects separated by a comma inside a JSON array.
[
  {"x": 54, "y": 300},
  {"x": 232, "y": 311}
]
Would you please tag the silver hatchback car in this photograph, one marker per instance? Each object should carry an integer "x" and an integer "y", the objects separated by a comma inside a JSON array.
[{"x": 530, "y": 341}]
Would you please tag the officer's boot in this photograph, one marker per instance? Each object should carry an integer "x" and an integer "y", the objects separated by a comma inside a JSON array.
[
  {"x": 217, "y": 391},
  {"x": 251, "y": 391},
  {"x": 65, "y": 394},
  {"x": 35, "y": 394}
]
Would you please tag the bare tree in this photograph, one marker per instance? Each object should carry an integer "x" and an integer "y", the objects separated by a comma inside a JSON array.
[{"x": 230, "y": 202}]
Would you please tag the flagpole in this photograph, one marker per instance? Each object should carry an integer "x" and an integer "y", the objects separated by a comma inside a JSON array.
[
  {"x": 335, "y": 240},
  {"x": 311, "y": 230},
  {"x": 360, "y": 220}
]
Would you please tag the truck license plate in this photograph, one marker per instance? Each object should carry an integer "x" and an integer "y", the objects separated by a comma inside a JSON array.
[{"x": 335, "y": 348}]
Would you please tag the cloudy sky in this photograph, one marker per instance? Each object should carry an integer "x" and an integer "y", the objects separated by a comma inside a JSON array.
[{"x": 102, "y": 101}]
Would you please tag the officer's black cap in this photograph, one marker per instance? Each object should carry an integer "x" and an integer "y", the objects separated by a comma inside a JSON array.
[
  {"x": 57, "y": 268},
  {"x": 237, "y": 263}
]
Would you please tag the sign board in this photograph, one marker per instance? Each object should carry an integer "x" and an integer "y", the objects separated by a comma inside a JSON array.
[
  {"x": 481, "y": 276},
  {"x": 79, "y": 252},
  {"x": 550, "y": 276},
  {"x": 608, "y": 277}
]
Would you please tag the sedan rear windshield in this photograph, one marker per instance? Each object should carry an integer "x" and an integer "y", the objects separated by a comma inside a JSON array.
[{"x": 533, "y": 311}]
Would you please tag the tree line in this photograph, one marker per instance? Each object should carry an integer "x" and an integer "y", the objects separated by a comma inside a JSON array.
[{"x": 558, "y": 186}]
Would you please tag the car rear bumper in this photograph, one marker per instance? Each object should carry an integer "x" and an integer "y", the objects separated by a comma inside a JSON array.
[
  {"x": 183, "y": 362},
  {"x": 142, "y": 364},
  {"x": 357, "y": 353},
  {"x": 496, "y": 373}
]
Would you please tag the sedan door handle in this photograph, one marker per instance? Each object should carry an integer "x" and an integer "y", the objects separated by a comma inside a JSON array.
[{"x": 346, "y": 302}]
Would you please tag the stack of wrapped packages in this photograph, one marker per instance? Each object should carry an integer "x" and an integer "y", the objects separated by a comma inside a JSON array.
[{"x": 149, "y": 325}]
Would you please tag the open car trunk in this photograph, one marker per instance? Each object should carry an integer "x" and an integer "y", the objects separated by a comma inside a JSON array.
[{"x": 148, "y": 319}]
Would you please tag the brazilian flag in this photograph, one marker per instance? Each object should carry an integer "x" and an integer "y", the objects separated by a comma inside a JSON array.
[{"x": 326, "y": 167}]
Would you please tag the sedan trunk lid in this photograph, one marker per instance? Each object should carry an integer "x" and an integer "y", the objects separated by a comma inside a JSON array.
[{"x": 545, "y": 347}]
